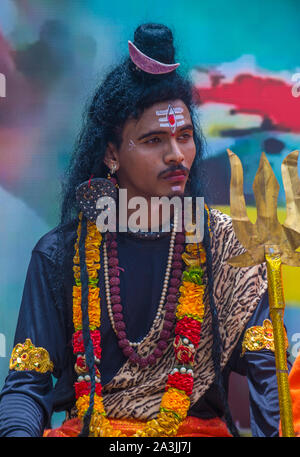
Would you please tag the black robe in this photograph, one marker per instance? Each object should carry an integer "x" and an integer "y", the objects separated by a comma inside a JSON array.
[{"x": 28, "y": 398}]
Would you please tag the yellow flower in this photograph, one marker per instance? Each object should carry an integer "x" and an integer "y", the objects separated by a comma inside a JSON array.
[
  {"x": 197, "y": 251},
  {"x": 92, "y": 255},
  {"x": 83, "y": 402},
  {"x": 98, "y": 404},
  {"x": 82, "y": 405}
]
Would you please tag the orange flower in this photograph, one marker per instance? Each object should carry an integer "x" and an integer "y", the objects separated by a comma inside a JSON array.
[
  {"x": 191, "y": 300},
  {"x": 92, "y": 271},
  {"x": 93, "y": 307},
  {"x": 176, "y": 401},
  {"x": 77, "y": 315},
  {"x": 76, "y": 270},
  {"x": 92, "y": 255}
]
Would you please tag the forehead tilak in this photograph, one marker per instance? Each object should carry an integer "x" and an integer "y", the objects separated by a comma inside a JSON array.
[{"x": 171, "y": 117}]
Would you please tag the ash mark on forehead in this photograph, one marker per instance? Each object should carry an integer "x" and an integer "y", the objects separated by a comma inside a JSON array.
[{"x": 171, "y": 117}]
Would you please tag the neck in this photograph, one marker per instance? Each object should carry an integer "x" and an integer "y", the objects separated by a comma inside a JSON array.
[{"x": 143, "y": 214}]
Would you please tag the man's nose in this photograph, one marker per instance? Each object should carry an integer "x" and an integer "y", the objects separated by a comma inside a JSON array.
[{"x": 174, "y": 153}]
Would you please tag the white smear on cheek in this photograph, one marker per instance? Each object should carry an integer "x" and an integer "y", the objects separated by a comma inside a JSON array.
[{"x": 131, "y": 145}]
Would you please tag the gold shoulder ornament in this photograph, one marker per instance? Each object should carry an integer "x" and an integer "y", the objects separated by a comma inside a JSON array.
[
  {"x": 27, "y": 357},
  {"x": 260, "y": 337}
]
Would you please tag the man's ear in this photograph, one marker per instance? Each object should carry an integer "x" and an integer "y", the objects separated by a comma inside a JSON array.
[{"x": 111, "y": 155}]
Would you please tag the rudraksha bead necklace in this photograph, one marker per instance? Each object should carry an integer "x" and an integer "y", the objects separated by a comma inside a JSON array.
[{"x": 112, "y": 283}]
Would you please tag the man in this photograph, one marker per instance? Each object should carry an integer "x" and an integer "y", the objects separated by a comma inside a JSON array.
[{"x": 141, "y": 329}]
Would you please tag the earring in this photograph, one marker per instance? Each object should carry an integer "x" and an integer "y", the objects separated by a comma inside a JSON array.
[
  {"x": 113, "y": 168},
  {"x": 112, "y": 179}
]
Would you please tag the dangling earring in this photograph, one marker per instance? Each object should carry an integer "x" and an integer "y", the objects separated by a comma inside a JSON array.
[{"x": 113, "y": 169}]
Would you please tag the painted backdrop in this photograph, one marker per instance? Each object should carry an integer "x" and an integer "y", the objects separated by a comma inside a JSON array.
[{"x": 245, "y": 62}]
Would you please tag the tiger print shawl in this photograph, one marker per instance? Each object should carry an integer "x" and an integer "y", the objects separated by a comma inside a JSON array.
[{"x": 137, "y": 393}]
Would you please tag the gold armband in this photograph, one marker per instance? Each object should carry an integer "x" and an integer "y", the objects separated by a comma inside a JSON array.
[
  {"x": 260, "y": 337},
  {"x": 27, "y": 357}
]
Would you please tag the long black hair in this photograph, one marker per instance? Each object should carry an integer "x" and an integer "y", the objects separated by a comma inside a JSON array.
[{"x": 125, "y": 93}]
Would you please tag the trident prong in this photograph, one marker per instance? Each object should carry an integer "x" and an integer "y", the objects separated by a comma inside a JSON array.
[
  {"x": 269, "y": 241},
  {"x": 291, "y": 184},
  {"x": 266, "y": 232}
]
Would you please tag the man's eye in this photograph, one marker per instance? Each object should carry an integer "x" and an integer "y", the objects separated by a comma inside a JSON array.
[
  {"x": 185, "y": 136},
  {"x": 153, "y": 140}
]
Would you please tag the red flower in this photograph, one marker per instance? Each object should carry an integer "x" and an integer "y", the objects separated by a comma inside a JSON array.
[
  {"x": 78, "y": 344},
  {"x": 96, "y": 339},
  {"x": 189, "y": 328},
  {"x": 98, "y": 389},
  {"x": 181, "y": 381},
  {"x": 84, "y": 388}
]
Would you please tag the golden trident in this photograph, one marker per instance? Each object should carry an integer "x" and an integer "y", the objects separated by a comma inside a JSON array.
[{"x": 269, "y": 241}]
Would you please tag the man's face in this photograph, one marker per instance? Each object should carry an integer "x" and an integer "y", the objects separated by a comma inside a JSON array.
[{"x": 156, "y": 153}]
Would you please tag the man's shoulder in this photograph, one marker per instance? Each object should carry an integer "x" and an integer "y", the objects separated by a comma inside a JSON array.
[
  {"x": 220, "y": 221},
  {"x": 48, "y": 244}
]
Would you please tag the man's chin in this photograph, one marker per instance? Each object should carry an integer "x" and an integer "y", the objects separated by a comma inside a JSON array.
[
  {"x": 172, "y": 190},
  {"x": 170, "y": 194},
  {"x": 176, "y": 193}
]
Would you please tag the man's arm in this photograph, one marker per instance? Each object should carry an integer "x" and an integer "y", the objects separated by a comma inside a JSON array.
[
  {"x": 254, "y": 357},
  {"x": 26, "y": 400}
]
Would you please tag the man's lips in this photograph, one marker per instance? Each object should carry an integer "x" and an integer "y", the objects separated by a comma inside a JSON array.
[{"x": 175, "y": 176}]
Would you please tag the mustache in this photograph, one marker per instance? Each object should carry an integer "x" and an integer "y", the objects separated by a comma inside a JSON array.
[{"x": 173, "y": 168}]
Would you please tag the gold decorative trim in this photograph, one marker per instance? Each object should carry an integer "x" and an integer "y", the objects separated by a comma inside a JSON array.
[
  {"x": 28, "y": 357},
  {"x": 260, "y": 337}
]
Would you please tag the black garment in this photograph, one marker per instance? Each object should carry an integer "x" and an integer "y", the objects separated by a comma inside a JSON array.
[{"x": 50, "y": 326}]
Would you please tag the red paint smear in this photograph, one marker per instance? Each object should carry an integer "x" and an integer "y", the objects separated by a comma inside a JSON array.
[
  {"x": 268, "y": 97},
  {"x": 171, "y": 119}
]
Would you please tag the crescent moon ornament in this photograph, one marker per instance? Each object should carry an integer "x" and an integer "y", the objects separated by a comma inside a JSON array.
[{"x": 147, "y": 64}]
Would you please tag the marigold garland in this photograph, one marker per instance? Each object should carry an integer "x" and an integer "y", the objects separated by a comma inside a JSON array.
[
  {"x": 190, "y": 311},
  {"x": 191, "y": 301},
  {"x": 83, "y": 386},
  {"x": 174, "y": 400}
]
